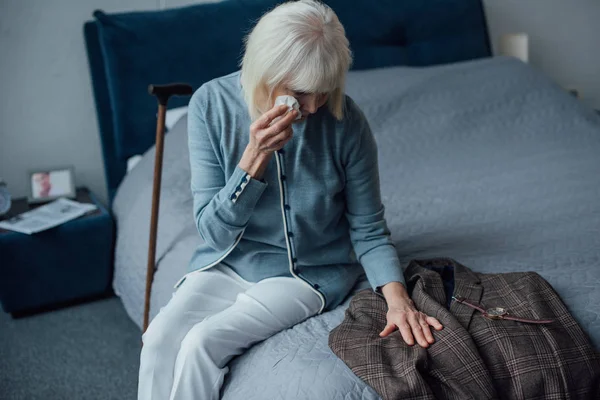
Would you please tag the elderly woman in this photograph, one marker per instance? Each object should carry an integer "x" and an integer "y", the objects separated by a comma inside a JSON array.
[{"x": 287, "y": 203}]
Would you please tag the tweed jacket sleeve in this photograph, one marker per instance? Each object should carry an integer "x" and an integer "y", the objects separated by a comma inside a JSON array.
[
  {"x": 222, "y": 206},
  {"x": 364, "y": 210}
]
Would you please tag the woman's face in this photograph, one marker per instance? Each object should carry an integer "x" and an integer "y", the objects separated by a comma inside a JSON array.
[{"x": 309, "y": 102}]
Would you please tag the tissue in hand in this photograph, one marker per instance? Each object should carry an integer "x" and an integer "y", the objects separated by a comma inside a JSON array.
[{"x": 291, "y": 102}]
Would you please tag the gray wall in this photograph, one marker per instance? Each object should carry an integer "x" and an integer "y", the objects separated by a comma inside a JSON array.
[
  {"x": 49, "y": 119},
  {"x": 564, "y": 38}
]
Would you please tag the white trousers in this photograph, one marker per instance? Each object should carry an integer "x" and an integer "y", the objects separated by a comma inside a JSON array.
[{"x": 212, "y": 317}]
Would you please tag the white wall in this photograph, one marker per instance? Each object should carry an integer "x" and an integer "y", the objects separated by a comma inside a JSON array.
[
  {"x": 564, "y": 38},
  {"x": 47, "y": 115}
]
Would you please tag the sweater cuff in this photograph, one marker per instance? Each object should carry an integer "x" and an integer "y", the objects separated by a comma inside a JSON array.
[
  {"x": 382, "y": 270},
  {"x": 243, "y": 191}
]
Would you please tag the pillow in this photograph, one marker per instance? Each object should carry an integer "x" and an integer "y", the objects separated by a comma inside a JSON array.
[
  {"x": 172, "y": 116},
  {"x": 133, "y": 161}
]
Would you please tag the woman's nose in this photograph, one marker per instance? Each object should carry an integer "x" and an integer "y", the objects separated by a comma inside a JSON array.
[{"x": 310, "y": 104}]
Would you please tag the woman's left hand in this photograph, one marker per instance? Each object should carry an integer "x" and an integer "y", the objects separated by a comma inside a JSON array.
[{"x": 412, "y": 324}]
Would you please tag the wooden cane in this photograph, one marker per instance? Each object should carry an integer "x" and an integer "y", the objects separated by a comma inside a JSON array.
[{"x": 162, "y": 93}]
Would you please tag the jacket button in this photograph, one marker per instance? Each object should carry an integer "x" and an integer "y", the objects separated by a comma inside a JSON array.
[
  {"x": 233, "y": 197},
  {"x": 238, "y": 189},
  {"x": 283, "y": 177},
  {"x": 290, "y": 234},
  {"x": 287, "y": 207},
  {"x": 316, "y": 285},
  {"x": 294, "y": 260},
  {"x": 281, "y": 151}
]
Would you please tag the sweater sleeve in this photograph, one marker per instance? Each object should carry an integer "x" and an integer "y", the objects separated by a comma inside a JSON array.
[
  {"x": 222, "y": 205},
  {"x": 364, "y": 210}
]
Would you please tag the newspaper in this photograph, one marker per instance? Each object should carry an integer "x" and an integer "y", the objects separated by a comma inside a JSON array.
[{"x": 48, "y": 216}]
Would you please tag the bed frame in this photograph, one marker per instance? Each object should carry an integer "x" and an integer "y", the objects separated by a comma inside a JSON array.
[{"x": 129, "y": 51}]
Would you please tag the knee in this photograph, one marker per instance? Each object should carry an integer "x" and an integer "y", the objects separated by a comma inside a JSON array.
[
  {"x": 158, "y": 335},
  {"x": 199, "y": 340},
  {"x": 152, "y": 338}
]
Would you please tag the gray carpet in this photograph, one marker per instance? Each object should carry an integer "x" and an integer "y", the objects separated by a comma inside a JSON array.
[{"x": 89, "y": 351}]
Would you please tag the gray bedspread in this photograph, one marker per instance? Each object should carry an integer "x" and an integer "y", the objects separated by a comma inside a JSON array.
[{"x": 487, "y": 162}]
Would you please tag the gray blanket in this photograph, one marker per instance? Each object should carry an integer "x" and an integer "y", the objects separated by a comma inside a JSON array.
[{"x": 487, "y": 162}]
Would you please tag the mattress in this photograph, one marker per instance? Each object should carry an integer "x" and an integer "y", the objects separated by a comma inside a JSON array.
[{"x": 487, "y": 162}]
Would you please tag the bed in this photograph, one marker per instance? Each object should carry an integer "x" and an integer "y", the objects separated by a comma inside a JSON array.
[{"x": 482, "y": 159}]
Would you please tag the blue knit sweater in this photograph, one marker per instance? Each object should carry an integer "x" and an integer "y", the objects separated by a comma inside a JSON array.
[{"x": 316, "y": 215}]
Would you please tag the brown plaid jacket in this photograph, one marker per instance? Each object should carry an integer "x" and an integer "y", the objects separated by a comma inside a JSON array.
[{"x": 473, "y": 357}]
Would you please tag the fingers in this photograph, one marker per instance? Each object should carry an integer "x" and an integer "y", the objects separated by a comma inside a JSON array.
[
  {"x": 425, "y": 328},
  {"x": 413, "y": 321},
  {"x": 277, "y": 135},
  {"x": 281, "y": 124},
  {"x": 270, "y": 115},
  {"x": 435, "y": 323},
  {"x": 406, "y": 333},
  {"x": 413, "y": 326},
  {"x": 389, "y": 328},
  {"x": 279, "y": 140},
  {"x": 273, "y": 137}
]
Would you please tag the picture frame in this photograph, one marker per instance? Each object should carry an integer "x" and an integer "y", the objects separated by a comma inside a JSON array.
[{"x": 50, "y": 184}]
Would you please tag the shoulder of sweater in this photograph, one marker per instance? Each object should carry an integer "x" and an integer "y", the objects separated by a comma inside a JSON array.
[
  {"x": 353, "y": 122},
  {"x": 352, "y": 112},
  {"x": 214, "y": 87}
]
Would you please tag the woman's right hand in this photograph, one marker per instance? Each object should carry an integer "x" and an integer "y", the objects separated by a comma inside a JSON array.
[
  {"x": 269, "y": 133},
  {"x": 272, "y": 130}
]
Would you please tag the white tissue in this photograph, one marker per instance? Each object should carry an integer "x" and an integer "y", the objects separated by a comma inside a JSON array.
[{"x": 291, "y": 102}]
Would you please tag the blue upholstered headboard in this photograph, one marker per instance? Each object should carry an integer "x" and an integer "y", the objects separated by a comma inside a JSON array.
[{"x": 194, "y": 44}]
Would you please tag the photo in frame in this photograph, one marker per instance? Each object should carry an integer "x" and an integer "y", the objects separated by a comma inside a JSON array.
[{"x": 50, "y": 184}]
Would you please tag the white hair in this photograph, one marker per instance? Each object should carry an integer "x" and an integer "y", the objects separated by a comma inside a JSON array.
[{"x": 302, "y": 45}]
